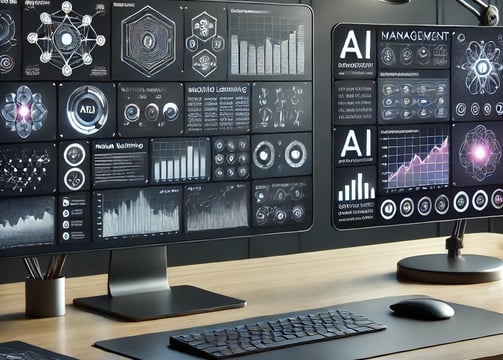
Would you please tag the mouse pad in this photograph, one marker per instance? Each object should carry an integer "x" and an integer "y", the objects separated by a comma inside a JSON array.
[{"x": 402, "y": 335}]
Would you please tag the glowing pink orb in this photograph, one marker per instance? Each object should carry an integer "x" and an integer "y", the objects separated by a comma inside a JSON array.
[
  {"x": 23, "y": 111},
  {"x": 480, "y": 153}
]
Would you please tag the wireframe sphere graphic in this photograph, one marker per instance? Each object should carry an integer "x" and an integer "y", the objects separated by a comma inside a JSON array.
[{"x": 480, "y": 153}]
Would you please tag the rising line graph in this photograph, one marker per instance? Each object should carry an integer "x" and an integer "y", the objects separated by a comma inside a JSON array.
[{"x": 415, "y": 158}]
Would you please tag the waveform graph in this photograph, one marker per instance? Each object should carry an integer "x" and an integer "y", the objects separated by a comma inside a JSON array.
[
  {"x": 272, "y": 42},
  {"x": 215, "y": 206},
  {"x": 414, "y": 158},
  {"x": 27, "y": 221},
  {"x": 133, "y": 212}
]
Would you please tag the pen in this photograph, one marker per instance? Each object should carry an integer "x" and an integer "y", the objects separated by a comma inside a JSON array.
[{"x": 28, "y": 267}]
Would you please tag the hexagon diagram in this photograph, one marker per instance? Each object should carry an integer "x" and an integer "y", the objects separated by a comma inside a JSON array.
[
  {"x": 148, "y": 41},
  {"x": 204, "y": 62},
  {"x": 204, "y": 26}
]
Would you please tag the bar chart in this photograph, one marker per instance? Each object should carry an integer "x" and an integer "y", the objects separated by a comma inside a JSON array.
[
  {"x": 357, "y": 189},
  {"x": 178, "y": 160},
  {"x": 267, "y": 45}
]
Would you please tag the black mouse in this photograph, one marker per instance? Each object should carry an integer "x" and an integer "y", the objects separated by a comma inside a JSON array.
[{"x": 423, "y": 309}]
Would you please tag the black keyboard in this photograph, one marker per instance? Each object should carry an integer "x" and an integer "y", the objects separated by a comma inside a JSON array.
[{"x": 253, "y": 337}]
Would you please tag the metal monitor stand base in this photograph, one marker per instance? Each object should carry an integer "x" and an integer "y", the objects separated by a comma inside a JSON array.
[
  {"x": 451, "y": 268},
  {"x": 138, "y": 289}
]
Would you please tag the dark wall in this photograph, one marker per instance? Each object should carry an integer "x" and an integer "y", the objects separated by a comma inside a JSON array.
[{"x": 327, "y": 13}]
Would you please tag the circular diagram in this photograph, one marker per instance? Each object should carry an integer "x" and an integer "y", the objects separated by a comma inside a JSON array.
[
  {"x": 480, "y": 153},
  {"x": 482, "y": 67}
]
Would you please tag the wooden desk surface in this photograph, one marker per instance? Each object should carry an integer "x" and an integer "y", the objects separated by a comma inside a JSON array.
[{"x": 270, "y": 285}]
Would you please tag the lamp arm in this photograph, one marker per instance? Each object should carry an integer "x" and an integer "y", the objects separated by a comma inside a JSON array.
[{"x": 488, "y": 15}]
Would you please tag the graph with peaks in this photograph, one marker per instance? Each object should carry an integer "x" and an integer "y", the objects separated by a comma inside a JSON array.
[
  {"x": 414, "y": 158},
  {"x": 127, "y": 212},
  {"x": 27, "y": 221}
]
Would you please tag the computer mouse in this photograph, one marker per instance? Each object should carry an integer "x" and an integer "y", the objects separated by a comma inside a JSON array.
[{"x": 423, "y": 308}]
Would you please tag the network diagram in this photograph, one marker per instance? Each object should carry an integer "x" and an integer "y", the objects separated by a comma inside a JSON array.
[{"x": 66, "y": 39}]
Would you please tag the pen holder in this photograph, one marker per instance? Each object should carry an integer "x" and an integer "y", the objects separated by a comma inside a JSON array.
[{"x": 45, "y": 297}]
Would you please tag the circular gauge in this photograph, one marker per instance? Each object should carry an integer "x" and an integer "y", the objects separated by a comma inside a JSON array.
[
  {"x": 263, "y": 155},
  {"x": 296, "y": 154},
  {"x": 74, "y": 179},
  {"x": 74, "y": 154},
  {"x": 87, "y": 110}
]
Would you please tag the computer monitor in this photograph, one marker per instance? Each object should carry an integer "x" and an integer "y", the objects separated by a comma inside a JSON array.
[
  {"x": 417, "y": 135},
  {"x": 130, "y": 126}
]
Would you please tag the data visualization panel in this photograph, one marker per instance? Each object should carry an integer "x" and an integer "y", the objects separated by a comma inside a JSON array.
[
  {"x": 137, "y": 212},
  {"x": 269, "y": 42},
  {"x": 413, "y": 158},
  {"x": 416, "y": 113},
  {"x": 27, "y": 221}
]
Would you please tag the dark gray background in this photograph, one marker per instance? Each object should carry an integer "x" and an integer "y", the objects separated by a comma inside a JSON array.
[{"x": 321, "y": 236}]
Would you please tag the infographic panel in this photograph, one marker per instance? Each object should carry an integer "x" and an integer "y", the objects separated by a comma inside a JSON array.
[
  {"x": 415, "y": 124},
  {"x": 476, "y": 73}
]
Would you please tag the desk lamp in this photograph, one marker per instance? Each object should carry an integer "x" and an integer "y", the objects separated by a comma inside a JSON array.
[{"x": 456, "y": 268}]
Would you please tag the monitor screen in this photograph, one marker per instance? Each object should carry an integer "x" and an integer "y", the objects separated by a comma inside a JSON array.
[
  {"x": 416, "y": 133},
  {"x": 152, "y": 123}
]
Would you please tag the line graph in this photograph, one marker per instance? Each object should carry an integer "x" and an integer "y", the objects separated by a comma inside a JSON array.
[{"x": 414, "y": 158}]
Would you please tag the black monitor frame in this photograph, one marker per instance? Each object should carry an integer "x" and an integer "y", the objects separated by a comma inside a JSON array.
[
  {"x": 124, "y": 133},
  {"x": 400, "y": 96}
]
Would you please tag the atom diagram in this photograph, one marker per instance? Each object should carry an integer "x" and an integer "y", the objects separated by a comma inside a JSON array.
[
  {"x": 66, "y": 39},
  {"x": 23, "y": 111},
  {"x": 480, "y": 153},
  {"x": 483, "y": 67}
]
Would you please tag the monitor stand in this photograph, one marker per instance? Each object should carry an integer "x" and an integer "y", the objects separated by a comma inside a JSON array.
[
  {"x": 138, "y": 289},
  {"x": 451, "y": 268}
]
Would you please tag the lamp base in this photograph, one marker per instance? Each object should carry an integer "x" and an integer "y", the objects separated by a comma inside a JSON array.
[{"x": 440, "y": 269}]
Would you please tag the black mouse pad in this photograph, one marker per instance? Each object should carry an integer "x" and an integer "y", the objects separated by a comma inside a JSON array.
[
  {"x": 402, "y": 335},
  {"x": 21, "y": 350}
]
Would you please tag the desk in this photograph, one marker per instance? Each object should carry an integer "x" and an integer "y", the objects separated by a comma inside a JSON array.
[{"x": 270, "y": 285}]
